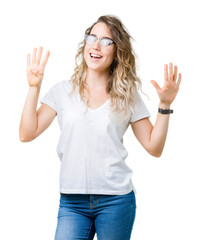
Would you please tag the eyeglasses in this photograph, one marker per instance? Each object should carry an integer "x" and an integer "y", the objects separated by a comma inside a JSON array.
[{"x": 90, "y": 39}]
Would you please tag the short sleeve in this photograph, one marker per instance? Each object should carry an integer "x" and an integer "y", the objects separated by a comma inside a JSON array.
[
  {"x": 140, "y": 111},
  {"x": 50, "y": 98}
]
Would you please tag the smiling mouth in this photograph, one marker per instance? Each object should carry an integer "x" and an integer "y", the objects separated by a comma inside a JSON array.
[{"x": 95, "y": 56}]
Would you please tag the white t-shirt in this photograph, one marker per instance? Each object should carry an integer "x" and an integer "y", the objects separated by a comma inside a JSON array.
[{"x": 90, "y": 146}]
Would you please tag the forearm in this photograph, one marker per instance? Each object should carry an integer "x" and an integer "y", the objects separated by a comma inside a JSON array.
[
  {"x": 159, "y": 132},
  {"x": 28, "y": 124}
]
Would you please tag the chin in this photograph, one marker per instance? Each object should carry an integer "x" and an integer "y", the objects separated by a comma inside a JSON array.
[{"x": 98, "y": 67}]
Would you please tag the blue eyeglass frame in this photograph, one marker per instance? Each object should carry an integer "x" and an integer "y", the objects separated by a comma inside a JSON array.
[{"x": 95, "y": 37}]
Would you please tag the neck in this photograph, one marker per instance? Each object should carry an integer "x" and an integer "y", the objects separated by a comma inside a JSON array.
[{"x": 96, "y": 79}]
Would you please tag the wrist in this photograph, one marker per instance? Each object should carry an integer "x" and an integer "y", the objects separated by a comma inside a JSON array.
[
  {"x": 164, "y": 105},
  {"x": 164, "y": 108},
  {"x": 34, "y": 89},
  {"x": 35, "y": 86}
]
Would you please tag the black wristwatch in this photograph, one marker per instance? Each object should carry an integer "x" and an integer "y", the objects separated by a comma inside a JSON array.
[{"x": 165, "y": 111}]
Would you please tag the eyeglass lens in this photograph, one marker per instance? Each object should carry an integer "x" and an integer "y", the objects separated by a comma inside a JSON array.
[{"x": 103, "y": 41}]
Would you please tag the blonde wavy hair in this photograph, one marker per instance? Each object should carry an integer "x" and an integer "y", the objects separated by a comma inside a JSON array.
[{"x": 123, "y": 83}]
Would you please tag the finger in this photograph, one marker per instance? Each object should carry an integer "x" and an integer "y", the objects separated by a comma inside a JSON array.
[
  {"x": 40, "y": 70},
  {"x": 45, "y": 58},
  {"x": 39, "y": 55},
  {"x": 166, "y": 72},
  {"x": 171, "y": 71},
  {"x": 36, "y": 70},
  {"x": 28, "y": 59},
  {"x": 156, "y": 85},
  {"x": 175, "y": 73},
  {"x": 34, "y": 56},
  {"x": 179, "y": 80}
]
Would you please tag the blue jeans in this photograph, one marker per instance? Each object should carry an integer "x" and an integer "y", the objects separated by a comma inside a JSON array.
[{"x": 80, "y": 216}]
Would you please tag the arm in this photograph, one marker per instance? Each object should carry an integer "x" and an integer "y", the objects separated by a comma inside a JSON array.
[
  {"x": 29, "y": 119},
  {"x": 152, "y": 137},
  {"x": 28, "y": 123},
  {"x": 33, "y": 122}
]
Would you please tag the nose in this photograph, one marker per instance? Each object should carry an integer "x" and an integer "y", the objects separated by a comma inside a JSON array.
[{"x": 97, "y": 45}]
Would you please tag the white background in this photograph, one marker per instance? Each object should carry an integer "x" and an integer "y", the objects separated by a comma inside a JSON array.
[{"x": 168, "y": 188}]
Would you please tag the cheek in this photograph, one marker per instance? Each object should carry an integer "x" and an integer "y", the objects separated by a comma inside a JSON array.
[
  {"x": 86, "y": 53},
  {"x": 111, "y": 54},
  {"x": 110, "y": 57}
]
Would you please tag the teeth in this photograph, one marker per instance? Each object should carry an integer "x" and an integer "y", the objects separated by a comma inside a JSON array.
[{"x": 93, "y": 55}]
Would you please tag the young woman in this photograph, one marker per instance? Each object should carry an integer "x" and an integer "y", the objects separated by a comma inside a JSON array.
[{"x": 94, "y": 109}]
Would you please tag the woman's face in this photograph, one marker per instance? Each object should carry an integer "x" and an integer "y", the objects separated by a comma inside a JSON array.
[{"x": 106, "y": 53}]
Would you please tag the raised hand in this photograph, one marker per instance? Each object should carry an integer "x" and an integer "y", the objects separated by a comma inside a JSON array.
[
  {"x": 170, "y": 89},
  {"x": 35, "y": 70}
]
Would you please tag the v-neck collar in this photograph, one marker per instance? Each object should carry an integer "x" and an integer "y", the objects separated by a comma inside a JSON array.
[
  {"x": 90, "y": 109},
  {"x": 101, "y": 106}
]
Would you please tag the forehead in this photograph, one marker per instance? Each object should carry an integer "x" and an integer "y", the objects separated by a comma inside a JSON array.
[{"x": 101, "y": 30}]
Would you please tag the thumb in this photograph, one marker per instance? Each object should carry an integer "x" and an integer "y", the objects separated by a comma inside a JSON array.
[{"x": 155, "y": 85}]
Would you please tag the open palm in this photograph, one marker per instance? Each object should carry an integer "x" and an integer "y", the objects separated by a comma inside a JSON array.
[
  {"x": 170, "y": 89},
  {"x": 35, "y": 70}
]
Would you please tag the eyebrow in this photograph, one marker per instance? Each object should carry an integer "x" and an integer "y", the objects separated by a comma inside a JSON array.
[{"x": 102, "y": 37}]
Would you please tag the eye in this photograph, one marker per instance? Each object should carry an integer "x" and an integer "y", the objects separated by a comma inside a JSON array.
[
  {"x": 106, "y": 41},
  {"x": 90, "y": 38}
]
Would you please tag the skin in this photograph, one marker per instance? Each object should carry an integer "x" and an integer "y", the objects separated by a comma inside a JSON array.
[
  {"x": 33, "y": 122},
  {"x": 98, "y": 71},
  {"x": 152, "y": 137},
  {"x": 35, "y": 70}
]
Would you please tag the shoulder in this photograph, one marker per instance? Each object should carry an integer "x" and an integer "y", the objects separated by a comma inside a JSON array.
[{"x": 137, "y": 100}]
